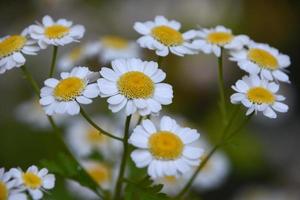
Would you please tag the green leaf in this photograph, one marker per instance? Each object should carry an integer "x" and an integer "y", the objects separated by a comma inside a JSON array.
[
  {"x": 67, "y": 167},
  {"x": 144, "y": 190}
]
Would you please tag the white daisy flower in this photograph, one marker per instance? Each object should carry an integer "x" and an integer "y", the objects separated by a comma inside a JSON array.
[
  {"x": 136, "y": 86},
  {"x": 102, "y": 173},
  {"x": 73, "y": 57},
  {"x": 163, "y": 36},
  {"x": 13, "y": 48},
  {"x": 34, "y": 180},
  {"x": 9, "y": 189},
  {"x": 172, "y": 185},
  {"x": 258, "y": 95},
  {"x": 264, "y": 60},
  {"x": 57, "y": 33},
  {"x": 167, "y": 151},
  {"x": 65, "y": 95},
  {"x": 114, "y": 47},
  {"x": 214, "y": 172},
  {"x": 212, "y": 40},
  {"x": 85, "y": 139}
]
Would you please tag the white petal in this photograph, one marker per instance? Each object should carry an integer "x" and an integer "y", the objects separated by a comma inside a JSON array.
[
  {"x": 148, "y": 126},
  {"x": 192, "y": 152},
  {"x": 83, "y": 100},
  {"x": 49, "y": 181},
  {"x": 142, "y": 158},
  {"x": 270, "y": 113},
  {"x": 51, "y": 82},
  {"x": 280, "y": 107},
  {"x": 46, "y": 100}
]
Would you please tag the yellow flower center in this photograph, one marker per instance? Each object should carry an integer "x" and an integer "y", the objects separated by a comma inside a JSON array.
[
  {"x": 93, "y": 136},
  {"x": 75, "y": 54},
  {"x": 99, "y": 173},
  {"x": 114, "y": 42},
  {"x": 165, "y": 145},
  {"x": 68, "y": 89},
  {"x": 31, "y": 180},
  {"x": 260, "y": 95},
  {"x": 263, "y": 58},
  {"x": 56, "y": 31},
  {"x": 219, "y": 38},
  {"x": 135, "y": 85},
  {"x": 11, "y": 44},
  {"x": 3, "y": 191},
  {"x": 170, "y": 179},
  {"x": 167, "y": 35}
]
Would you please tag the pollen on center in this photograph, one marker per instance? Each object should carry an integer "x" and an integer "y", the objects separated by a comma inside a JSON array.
[
  {"x": 165, "y": 145},
  {"x": 69, "y": 88},
  {"x": 114, "y": 42},
  {"x": 32, "y": 180},
  {"x": 219, "y": 38},
  {"x": 11, "y": 44},
  {"x": 135, "y": 85},
  {"x": 260, "y": 95},
  {"x": 263, "y": 58},
  {"x": 167, "y": 35},
  {"x": 3, "y": 191},
  {"x": 56, "y": 31}
]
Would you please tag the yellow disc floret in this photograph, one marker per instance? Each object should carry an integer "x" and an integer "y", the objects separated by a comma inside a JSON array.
[
  {"x": 100, "y": 173},
  {"x": 135, "y": 85},
  {"x": 32, "y": 180},
  {"x": 114, "y": 42},
  {"x": 93, "y": 136},
  {"x": 260, "y": 95},
  {"x": 263, "y": 58},
  {"x": 165, "y": 145},
  {"x": 170, "y": 179},
  {"x": 12, "y": 44},
  {"x": 167, "y": 35},
  {"x": 56, "y": 31},
  {"x": 75, "y": 54},
  {"x": 3, "y": 191},
  {"x": 68, "y": 89},
  {"x": 219, "y": 38}
]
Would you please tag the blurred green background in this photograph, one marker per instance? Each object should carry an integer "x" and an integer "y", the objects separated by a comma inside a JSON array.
[{"x": 266, "y": 155}]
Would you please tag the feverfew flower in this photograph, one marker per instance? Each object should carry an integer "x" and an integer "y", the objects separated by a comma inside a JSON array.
[
  {"x": 172, "y": 185},
  {"x": 34, "y": 180},
  {"x": 57, "y": 33},
  {"x": 85, "y": 139},
  {"x": 73, "y": 57},
  {"x": 135, "y": 85},
  {"x": 167, "y": 151},
  {"x": 65, "y": 95},
  {"x": 13, "y": 48},
  {"x": 114, "y": 47},
  {"x": 258, "y": 95},
  {"x": 264, "y": 60},
  {"x": 212, "y": 40},
  {"x": 9, "y": 189},
  {"x": 163, "y": 36}
]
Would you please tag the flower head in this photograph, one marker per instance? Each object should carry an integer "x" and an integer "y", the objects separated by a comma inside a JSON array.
[
  {"x": 13, "y": 48},
  {"x": 57, "y": 33},
  {"x": 167, "y": 151},
  {"x": 73, "y": 57},
  {"x": 258, "y": 95},
  {"x": 264, "y": 60},
  {"x": 65, "y": 95},
  {"x": 163, "y": 35},
  {"x": 212, "y": 40},
  {"x": 9, "y": 189},
  {"x": 172, "y": 185},
  {"x": 34, "y": 180},
  {"x": 136, "y": 86}
]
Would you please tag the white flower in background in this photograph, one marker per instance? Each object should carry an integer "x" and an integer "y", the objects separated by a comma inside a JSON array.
[
  {"x": 167, "y": 151},
  {"x": 85, "y": 139},
  {"x": 70, "y": 59},
  {"x": 57, "y": 33},
  {"x": 135, "y": 85},
  {"x": 32, "y": 113},
  {"x": 172, "y": 185},
  {"x": 9, "y": 190},
  {"x": 65, "y": 95},
  {"x": 214, "y": 172},
  {"x": 114, "y": 47},
  {"x": 102, "y": 173},
  {"x": 264, "y": 60},
  {"x": 13, "y": 48},
  {"x": 258, "y": 95},
  {"x": 212, "y": 40},
  {"x": 163, "y": 36},
  {"x": 34, "y": 180}
]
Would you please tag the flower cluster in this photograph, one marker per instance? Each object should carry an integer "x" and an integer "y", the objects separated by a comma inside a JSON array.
[{"x": 14, "y": 183}]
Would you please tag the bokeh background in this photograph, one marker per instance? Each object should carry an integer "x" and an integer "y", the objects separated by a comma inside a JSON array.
[{"x": 264, "y": 158}]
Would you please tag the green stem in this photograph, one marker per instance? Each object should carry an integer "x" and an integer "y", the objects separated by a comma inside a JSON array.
[
  {"x": 232, "y": 134},
  {"x": 31, "y": 80},
  {"x": 92, "y": 123},
  {"x": 203, "y": 163},
  {"x": 118, "y": 189},
  {"x": 54, "y": 55},
  {"x": 222, "y": 87},
  {"x": 140, "y": 120}
]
